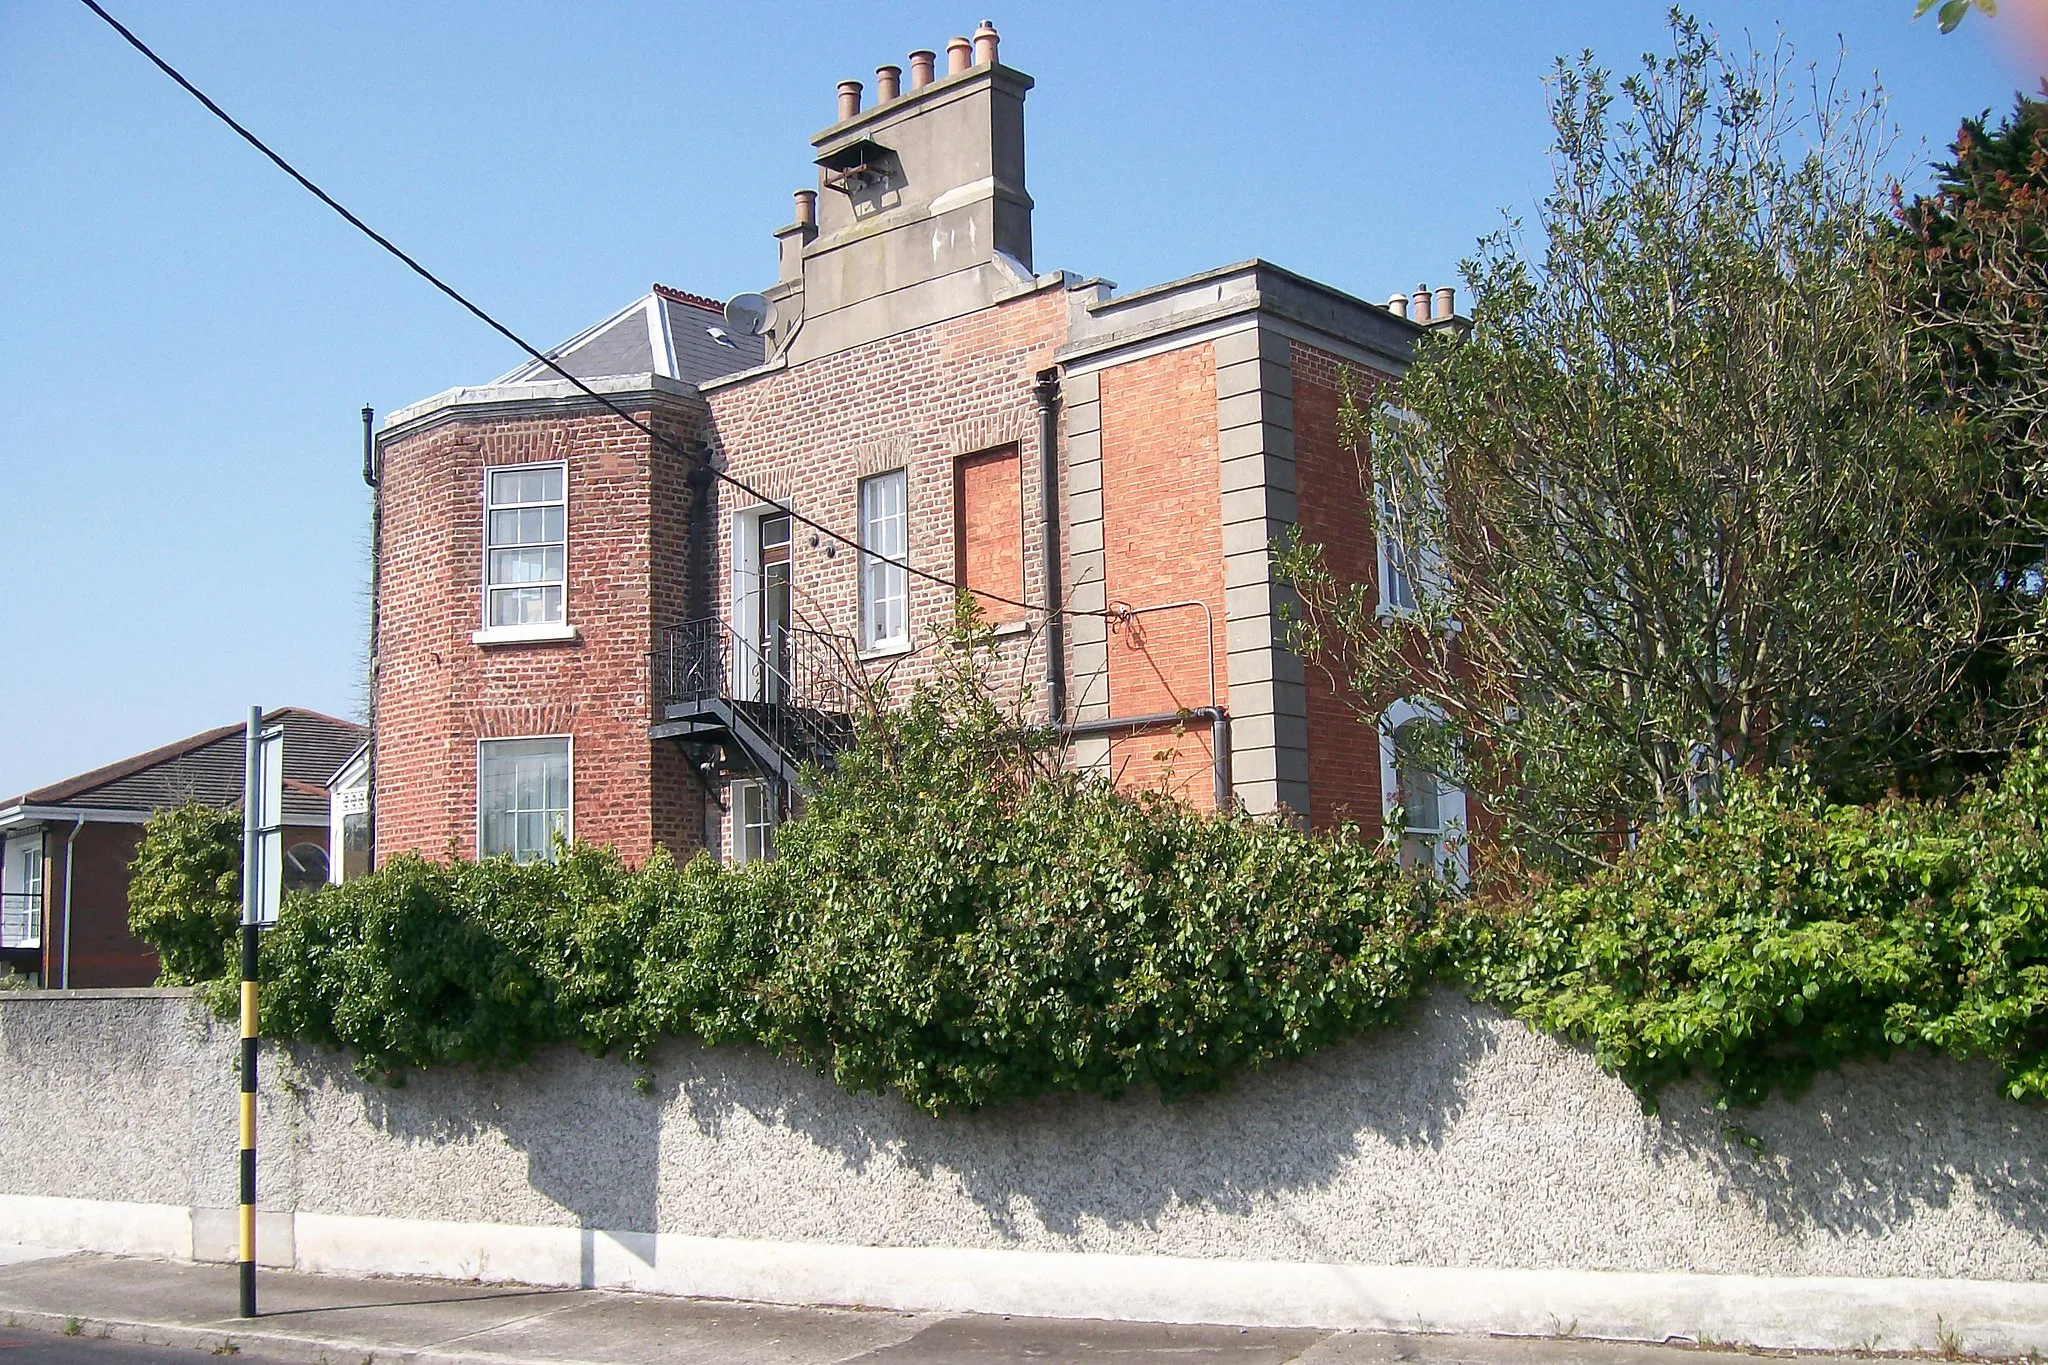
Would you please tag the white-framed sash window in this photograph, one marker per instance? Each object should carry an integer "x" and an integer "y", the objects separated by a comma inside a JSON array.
[
  {"x": 1397, "y": 565},
  {"x": 523, "y": 796},
  {"x": 1424, "y": 814},
  {"x": 753, "y": 822},
  {"x": 526, "y": 546},
  {"x": 884, "y": 544}
]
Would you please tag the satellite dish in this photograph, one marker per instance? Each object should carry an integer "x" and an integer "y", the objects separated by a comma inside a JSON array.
[{"x": 747, "y": 314}]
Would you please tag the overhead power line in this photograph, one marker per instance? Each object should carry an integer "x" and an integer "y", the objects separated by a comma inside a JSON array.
[{"x": 501, "y": 329}]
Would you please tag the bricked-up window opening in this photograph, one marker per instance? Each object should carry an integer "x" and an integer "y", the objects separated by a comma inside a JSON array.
[
  {"x": 988, "y": 503},
  {"x": 522, "y": 797},
  {"x": 526, "y": 532},
  {"x": 753, "y": 822},
  {"x": 884, "y": 542}
]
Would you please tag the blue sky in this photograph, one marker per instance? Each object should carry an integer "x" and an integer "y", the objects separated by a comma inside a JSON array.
[{"x": 186, "y": 338}]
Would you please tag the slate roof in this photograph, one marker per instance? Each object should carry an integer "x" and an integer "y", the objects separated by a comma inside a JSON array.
[
  {"x": 665, "y": 331},
  {"x": 207, "y": 767}
]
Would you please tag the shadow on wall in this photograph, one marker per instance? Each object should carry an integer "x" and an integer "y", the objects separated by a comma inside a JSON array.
[
  {"x": 1869, "y": 1145},
  {"x": 1859, "y": 1156},
  {"x": 1075, "y": 1160},
  {"x": 1463, "y": 1138},
  {"x": 591, "y": 1142}
]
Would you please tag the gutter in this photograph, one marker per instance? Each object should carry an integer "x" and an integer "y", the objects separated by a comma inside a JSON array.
[
  {"x": 373, "y": 475},
  {"x": 64, "y": 958},
  {"x": 99, "y": 815}
]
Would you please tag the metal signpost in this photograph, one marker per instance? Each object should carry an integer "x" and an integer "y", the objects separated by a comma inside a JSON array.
[{"x": 262, "y": 879}]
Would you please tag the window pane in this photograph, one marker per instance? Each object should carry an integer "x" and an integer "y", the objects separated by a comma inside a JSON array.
[
  {"x": 884, "y": 528},
  {"x": 523, "y": 789},
  {"x": 536, "y": 565},
  {"x": 1419, "y": 788},
  {"x": 512, "y": 487}
]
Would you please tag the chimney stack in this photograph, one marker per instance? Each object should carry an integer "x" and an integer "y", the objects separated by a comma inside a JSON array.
[
  {"x": 1418, "y": 309},
  {"x": 1398, "y": 305},
  {"x": 1446, "y": 303},
  {"x": 920, "y": 212}
]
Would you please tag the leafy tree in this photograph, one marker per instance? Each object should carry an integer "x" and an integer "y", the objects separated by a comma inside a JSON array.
[
  {"x": 1671, "y": 502},
  {"x": 185, "y": 891},
  {"x": 1974, "y": 259}
]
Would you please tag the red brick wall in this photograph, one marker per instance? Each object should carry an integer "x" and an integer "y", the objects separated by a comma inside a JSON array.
[
  {"x": 1162, "y": 538},
  {"x": 103, "y": 952},
  {"x": 439, "y": 692},
  {"x": 989, "y": 509},
  {"x": 917, "y": 401},
  {"x": 1336, "y": 513}
]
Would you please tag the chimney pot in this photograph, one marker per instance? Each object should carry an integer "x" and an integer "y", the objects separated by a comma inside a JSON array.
[
  {"x": 807, "y": 207},
  {"x": 1446, "y": 303},
  {"x": 849, "y": 99},
  {"x": 923, "y": 63},
  {"x": 888, "y": 83},
  {"x": 1418, "y": 310},
  {"x": 959, "y": 55},
  {"x": 985, "y": 44},
  {"x": 1398, "y": 305}
]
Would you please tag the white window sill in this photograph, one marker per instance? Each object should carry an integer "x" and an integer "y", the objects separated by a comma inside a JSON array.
[
  {"x": 524, "y": 635},
  {"x": 894, "y": 649},
  {"x": 1009, "y": 628}
]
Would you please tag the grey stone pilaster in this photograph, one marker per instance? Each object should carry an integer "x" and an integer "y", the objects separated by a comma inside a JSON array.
[{"x": 1268, "y": 708}]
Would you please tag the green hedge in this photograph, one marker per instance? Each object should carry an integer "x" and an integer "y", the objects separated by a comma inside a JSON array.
[
  {"x": 956, "y": 920},
  {"x": 1782, "y": 935}
]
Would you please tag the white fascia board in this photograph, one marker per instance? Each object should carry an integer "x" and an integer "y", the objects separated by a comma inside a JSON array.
[{"x": 92, "y": 815}]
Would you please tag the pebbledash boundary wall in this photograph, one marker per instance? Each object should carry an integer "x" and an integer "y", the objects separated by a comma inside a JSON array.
[{"x": 1461, "y": 1174}]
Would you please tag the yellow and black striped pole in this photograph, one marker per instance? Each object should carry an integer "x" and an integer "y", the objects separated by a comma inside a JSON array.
[
  {"x": 248, "y": 1251},
  {"x": 253, "y": 819}
]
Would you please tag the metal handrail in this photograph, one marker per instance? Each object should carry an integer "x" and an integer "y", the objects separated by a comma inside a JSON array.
[
  {"x": 21, "y": 919},
  {"x": 797, "y": 694}
]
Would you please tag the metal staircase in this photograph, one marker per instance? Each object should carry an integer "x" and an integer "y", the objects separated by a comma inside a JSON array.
[{"x": 773, "y": 710}]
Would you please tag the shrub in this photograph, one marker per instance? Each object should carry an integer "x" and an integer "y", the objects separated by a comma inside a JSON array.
[
  {"x": 1784, "y": 934},
  {"x": 956, "y": 918},
  {"x": 185, "y": 891}
]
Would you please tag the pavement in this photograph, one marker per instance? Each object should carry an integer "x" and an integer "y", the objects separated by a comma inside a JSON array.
[{"x": 103, "y": 1307}]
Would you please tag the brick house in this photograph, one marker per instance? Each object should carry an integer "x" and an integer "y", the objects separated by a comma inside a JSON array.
[
  {"x": 581, "y": 630},
  {"x": 65, "y": 847}
]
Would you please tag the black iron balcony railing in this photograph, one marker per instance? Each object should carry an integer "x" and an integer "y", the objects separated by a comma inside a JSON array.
[
  {"x": 21, "y": 919},
  {"x": 787, "y": 700}
]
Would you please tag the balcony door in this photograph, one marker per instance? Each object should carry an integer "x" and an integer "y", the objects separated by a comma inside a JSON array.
[{"x": 770, "y": 633}]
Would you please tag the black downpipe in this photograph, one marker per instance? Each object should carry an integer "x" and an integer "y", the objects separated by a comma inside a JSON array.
[
  {"x": 1047, "y": 394},
  {"x": 373, "y": 475}
]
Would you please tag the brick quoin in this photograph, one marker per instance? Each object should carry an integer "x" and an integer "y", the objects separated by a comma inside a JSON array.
[
  {"x": 1336, "y": 512},
  {"x": 1162, "y": 536}
]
